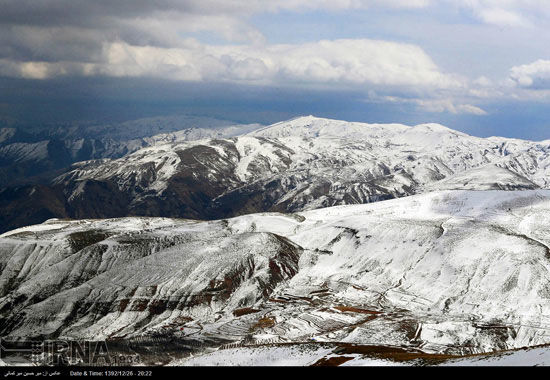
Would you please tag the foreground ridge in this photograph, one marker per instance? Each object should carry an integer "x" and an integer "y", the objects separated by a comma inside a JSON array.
[{"x": 446, "y": 273}]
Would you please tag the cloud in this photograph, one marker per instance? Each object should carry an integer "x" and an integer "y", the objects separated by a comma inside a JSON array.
[
  {"x": 141, "y": 38},
  {"x": 502, "y": 17},
  {"x": 535, "y": 75},
  {"x": 77, "y": 30},
  {"x": 68, "y": 30},
  {"x": 38, "y": 70},
  {"x": 449, "y": 105},
  {"x": 506, "y": 13},
  {"x": 346, "y": 63}
]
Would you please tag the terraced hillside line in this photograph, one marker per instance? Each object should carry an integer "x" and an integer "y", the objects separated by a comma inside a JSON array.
[{"x": 356, "y": 310}]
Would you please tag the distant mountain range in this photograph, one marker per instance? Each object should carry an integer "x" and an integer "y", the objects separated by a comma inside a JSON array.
[
  {"x": 297, "y": 165},
  {"x": 37, "y": 156}
]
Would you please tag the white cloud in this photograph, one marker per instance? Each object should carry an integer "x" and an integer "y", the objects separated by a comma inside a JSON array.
[
  {"x": 346, "y": 64},
  {"x": 341, "y": 63},
  {"x": 483, "y": 81},
  {"x": 469, "y": 108},
  {"x": 438, "y": 105},
  {"x": 37, "y": 69},
  {"x": 535, "y": 75},
  {"x": 506, "y": 13},
  {"x": 502, "y": 17}
]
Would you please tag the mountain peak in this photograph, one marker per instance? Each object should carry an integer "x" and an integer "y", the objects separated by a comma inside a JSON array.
[
  {"x": 312, "y": 126},
  {"x": 437, "y": 128}
]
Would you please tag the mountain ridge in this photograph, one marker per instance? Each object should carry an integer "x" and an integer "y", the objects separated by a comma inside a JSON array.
[{"x": 291, "y": 166}]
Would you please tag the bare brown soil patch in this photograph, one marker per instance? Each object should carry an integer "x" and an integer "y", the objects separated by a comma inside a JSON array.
[
  {"x": 265, "y": 322},
  {"x": 333, "y": 361},
  {"x": 123, "y": 304},
  {"x": 244, "y": 311}
]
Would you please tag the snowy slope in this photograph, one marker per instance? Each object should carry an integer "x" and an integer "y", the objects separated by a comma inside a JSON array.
[
  {"x": 486, "y": 177},
  {"x": 119, "y": 277},
  {"x": 453, "y": 272},
  {"x": 539, "y": 356},
  {"x": 6, "y": 134},
  {"x": 458, "y": 265},
  {"x": 196, "y": 133}
]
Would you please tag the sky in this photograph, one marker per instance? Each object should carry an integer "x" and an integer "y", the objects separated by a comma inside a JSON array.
[{"x": 478, "y": 66}]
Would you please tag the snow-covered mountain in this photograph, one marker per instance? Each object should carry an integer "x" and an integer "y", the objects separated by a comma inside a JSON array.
[
  {"x": 28, "y": 163},
  {"x": 312, "y": 162},
  {"x": 302, "y": 164},
  {"x": 446, "y": 272},
  {"x": 39, "y": 156}
]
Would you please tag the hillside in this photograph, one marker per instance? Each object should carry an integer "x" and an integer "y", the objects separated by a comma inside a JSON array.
[{"x": 448, "y": 272}]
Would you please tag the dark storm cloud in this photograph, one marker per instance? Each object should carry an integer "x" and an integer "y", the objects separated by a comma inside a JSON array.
[
  {"x": 105, "y": 100},
  {"x": 83, "y": 13},
  {"x": 53, "y": 30},
  {"x": 76, "y": 30}
]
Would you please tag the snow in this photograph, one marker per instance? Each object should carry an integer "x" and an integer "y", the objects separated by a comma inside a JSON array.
[
  {"x": 20, "y": 152},
  {"x": 191, "y": 134},
  {"x": 251, "y": 150},
  {"x": 6, "y": 134},
  {"x": 260, "y": 356},
  {"x": 54, "y": 224},
  {"x": 527, "y": 357},
  {"x": 310, "y": 126},
  {"x": 315, "y": 163}
]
